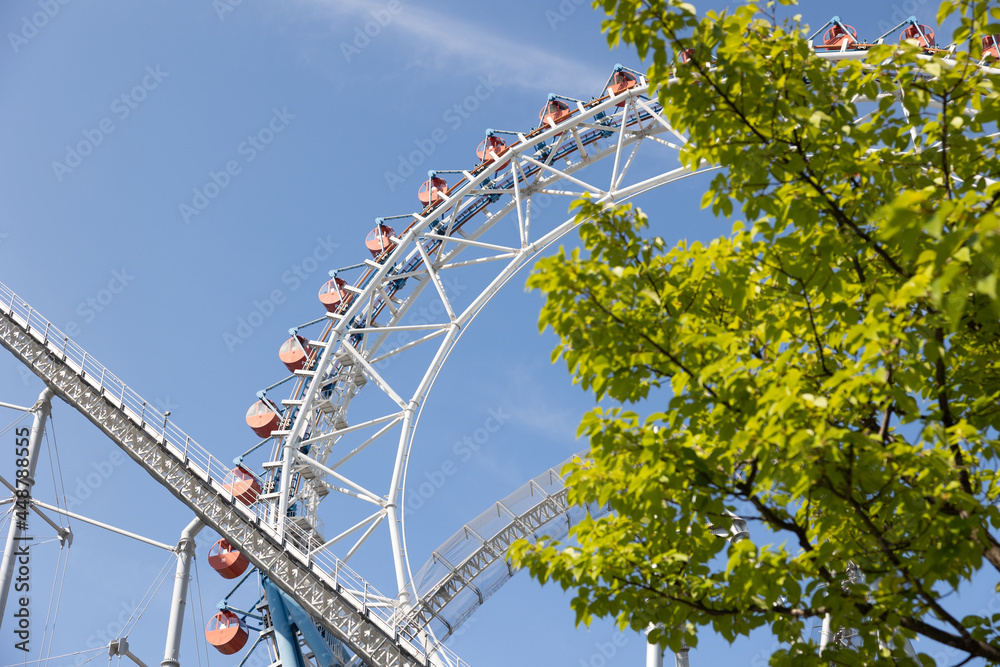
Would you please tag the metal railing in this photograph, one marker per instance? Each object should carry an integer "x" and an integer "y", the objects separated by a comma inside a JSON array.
[{"x": 212, "y": 470}]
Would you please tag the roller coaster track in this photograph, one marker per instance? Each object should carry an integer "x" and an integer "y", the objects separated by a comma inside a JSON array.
[
  {"x": 381, "y": 630},
  {"x": 394, "y": 630},
  {"x": 353, "y": 344},
  {"x": 325, "y": 587},
  {"x": 474, "y": 558}
]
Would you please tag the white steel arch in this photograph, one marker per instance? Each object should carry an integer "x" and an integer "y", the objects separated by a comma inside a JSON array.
[
  {"x": 291, "y": 552},
  {"x": 485, "y": 220},
  {"x": 494, "y": 200}
]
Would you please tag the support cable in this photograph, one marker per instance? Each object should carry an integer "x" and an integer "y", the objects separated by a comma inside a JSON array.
[
  {"x": 52, "y": 469},
  {"x": 14, "y": 423},
  {"x": 62, "y": 480},
  {"x": 67, "y": 655},
  {"x": 50, "y": 632},
  {"x": 201, "y": 610},
  {"x": 143, "y": 603},
  {"x": 52, "y": 448},
  {"x": 250, "y": 651}
]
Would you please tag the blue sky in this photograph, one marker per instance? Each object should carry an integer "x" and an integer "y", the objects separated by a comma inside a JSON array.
[{"x": 169, "y": 167}]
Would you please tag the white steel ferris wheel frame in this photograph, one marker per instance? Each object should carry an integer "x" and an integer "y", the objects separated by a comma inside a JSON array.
[
  {"x": 381, "y": 630},
  {"x": 430, "y": 245},
  {"x": 375, "y": 627},
  {"x": 638, "y": 120}
]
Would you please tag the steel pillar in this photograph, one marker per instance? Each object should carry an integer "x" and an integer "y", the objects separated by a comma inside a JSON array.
[
  {"x": 826, "y": 634},
  {"x": 654, "y": 655},
  {"x": 42, "y": 408},
  {"x": 654, "y": 652},
  {"x": 185, "y": 553}
]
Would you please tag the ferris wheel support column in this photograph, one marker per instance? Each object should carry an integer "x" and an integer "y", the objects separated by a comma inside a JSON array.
[
  {"x": 185, "y": 553},
  {"x": 394, "y": 516},
  {"x": 826, "y": 634},
  {"x": 11, "y": 552},
  {"x": 654, "y": 655},
  {"x": 402, "y": 454}
]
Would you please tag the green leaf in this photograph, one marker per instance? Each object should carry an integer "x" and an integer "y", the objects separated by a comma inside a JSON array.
[{"x": 831, "y": 375}]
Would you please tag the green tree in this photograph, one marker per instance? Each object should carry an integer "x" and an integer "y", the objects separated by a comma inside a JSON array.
[{"x": 830, "y": 370}]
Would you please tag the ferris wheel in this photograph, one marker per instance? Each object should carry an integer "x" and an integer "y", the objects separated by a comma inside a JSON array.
[{"x": 335, "y": 434}]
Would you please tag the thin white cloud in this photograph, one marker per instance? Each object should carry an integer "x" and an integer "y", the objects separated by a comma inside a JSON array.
[
  {"x": 552, "y": 417},
  {"x": 448, "y": 42}
]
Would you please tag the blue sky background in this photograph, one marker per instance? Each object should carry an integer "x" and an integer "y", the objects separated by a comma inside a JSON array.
[{"x": 199, "y": 78}]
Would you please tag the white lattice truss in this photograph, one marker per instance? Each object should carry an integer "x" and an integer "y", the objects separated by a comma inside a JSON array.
[
  {"x": 381, "y": 630},
  {"x": 486, "y": 219}
]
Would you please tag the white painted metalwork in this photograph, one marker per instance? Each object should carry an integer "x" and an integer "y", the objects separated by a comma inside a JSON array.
[
  {"x": 471, "y": 565},
  {"x": 63, "y": 531},
  {"x": 178, "y": 602},
  {"x": 470, "y": 221},
  {"x": 470, "y": 232},
  {"x": 339, "y": 599},
  {"x": 654, "y": 655},
  {"x": 15, "y": 533}
]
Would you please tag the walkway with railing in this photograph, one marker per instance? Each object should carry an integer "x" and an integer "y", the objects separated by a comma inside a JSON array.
[{"x": 181, "y": 447}]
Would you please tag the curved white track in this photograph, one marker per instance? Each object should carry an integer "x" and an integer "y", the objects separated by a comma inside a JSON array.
[
  {"x": 379, "y": 629},
  {"x": 485, "y": 228},
  {"x": 467, "y": 233}
]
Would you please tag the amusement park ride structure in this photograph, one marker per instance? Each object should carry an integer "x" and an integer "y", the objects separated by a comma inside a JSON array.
[{"x": 313, "y": 432}]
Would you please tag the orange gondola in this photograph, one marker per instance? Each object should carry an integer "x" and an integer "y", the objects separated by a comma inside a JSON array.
[
  {"x": 227, "y": 561},
  {"x": 923, "y": 34},
  {"x": 333, "y": 295},
  {"x": 838, "y": 35},
  {"x": 227, "y": 632},
  {"x": 243, "y": 485},
  {"x": 554, "y": 112},
  {"x": 489, "y": 147},
  {"x": 991, "y": 46},
  {"x": 620, "y": 82},
  {"x": 262, "y": 418},
  {"x": 379, "y": 240},
  {"x": 432, "y": 191},
  {"x": 295, "y": 351}
]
